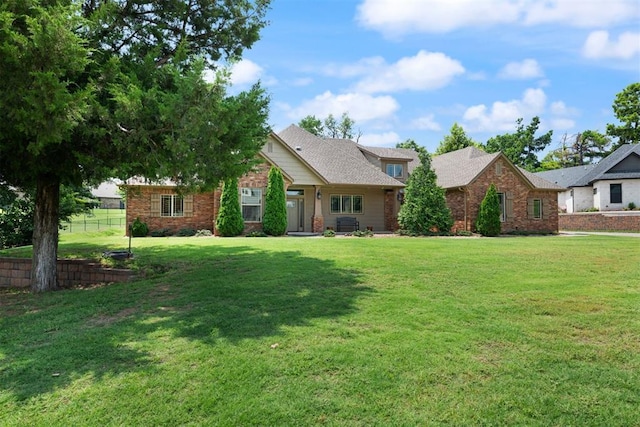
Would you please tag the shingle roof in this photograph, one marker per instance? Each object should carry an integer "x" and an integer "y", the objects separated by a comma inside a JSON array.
[
  {"x": 387, "y": 153},
  {"x": 583, "y": 176},
  {"x": 338, "y": 161},
  {"x": 459, "y": 168}
]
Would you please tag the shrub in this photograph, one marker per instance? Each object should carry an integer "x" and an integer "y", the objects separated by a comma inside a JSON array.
[
  {"x": 362, "y": 233},
  {"x": 488, "y": 222},
  {"x": 204, "y": 233},
  {"x": 424, "y": 210},
  {"x": 274, "y": 221},
  {"x": 162, "y": 232},
  {"x": 329, "y": 233},
  {"x": 229, "y": 221},
  {"x": 632, "y": 206},
  {"x": 16, "y": 223},
  {"x": 186, "y": 232},
  {"x": 257, "y": 233},
  {"x": 139, "y": 228}
]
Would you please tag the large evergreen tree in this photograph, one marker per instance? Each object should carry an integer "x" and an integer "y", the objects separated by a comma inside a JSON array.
[
  {"x": 488, "y": 222},
  {"x": 424, "y": 210},
  {"x": 626, "y": 107},
  {"x": 274, "y": 220},
  {"x": 229, "y": 221},
  {"x": 521, "y": 147},
  {"x": 114, "y": 88}
]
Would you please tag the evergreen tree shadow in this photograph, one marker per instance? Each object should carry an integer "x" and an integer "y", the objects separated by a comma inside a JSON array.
[{"x": 230, "y": 294}]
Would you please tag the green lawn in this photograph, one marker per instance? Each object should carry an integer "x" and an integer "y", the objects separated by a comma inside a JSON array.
[
  {"x": 98, "y": 219},
  {"x": 343, "y": 331}
]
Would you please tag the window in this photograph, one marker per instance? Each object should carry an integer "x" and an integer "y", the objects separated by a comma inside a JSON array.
[
  {"x": 502, "y": 206},
  {"x": 394, "y": 170},
  {"x": 341, "y": 204},
  {"x": 171, "y": 205},
  {"x": 537, "y": 208},
  {"x": 251, "y": 202},
  {"x": 295, "y": 192},
  {"x": 615, "y": 193}
]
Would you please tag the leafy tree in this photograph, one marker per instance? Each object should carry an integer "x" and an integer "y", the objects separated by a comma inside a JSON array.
[
  {"x": 488, "y": 222},
  {"x": 579, "y": 149},
  {"x": 274, "y": 221},
  {"x": 112, "y": 88},
  {"x": 626, "y": 107},
  {"x": 229, "y": 221},
  {"x": 410, "y": 144},
  {"x": 456, "y": 140},
  {"x": 521, "y": 147},
  {"x": 330, "y": 127},
  {"x": 424, "y": 209}
]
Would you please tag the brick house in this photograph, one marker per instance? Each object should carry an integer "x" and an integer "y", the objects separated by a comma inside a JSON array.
[{"x": 327, "y": 179}]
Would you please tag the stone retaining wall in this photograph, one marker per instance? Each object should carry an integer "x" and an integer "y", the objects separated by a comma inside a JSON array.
[
  {"x": 16, "y": 273},
  {"x": 600, "y": 221}
]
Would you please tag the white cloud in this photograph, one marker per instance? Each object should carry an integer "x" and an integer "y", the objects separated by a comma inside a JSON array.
[
  {"x": 562, "y": 124},
  {"x": 598, "y": 45},
  {"x": 397, "y": 17},
  {"x": 360, "y": 107},
  {"x": 302, "y": 81},
  {"x": 245, "y": 72},
  {"x": 426, "y": 123},
  {"x": 502, "y": 116},
  {"x": 424, "y": 71},
  {"x": 379, "y": 139},
  {"x": 559, "y": 108},
  {"x": 527, "y": 69}
]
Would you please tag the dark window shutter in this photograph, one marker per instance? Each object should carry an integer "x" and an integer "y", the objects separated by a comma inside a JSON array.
[
  {"x": 546, "y": 208},
  {"x": 530, "y": 208},
  {"x": 188, "y": 205},
  {"x": 509, "y": 205}
]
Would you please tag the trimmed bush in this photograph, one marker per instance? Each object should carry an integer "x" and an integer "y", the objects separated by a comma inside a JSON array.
[
  {"x": 229, "y": 221},
  {"x": 488, "y": 222},
  {"x": 274, "y": 221},
  {"x": 139, "y": 228},
  {"x": 186, "y": 232},
  {"x": 162, "y": 232},
  {"x": 424, "y": 210}
]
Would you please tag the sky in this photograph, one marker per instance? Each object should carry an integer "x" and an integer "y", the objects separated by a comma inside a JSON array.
[{"x": 410, "y": 69}]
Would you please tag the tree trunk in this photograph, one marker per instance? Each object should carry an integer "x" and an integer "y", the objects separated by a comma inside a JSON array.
[{"x": 44, "y": 274}]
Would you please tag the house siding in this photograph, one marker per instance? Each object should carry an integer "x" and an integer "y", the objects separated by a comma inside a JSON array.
[
  {"x": 373, "y": 213},
  {"x": 630, "y": 193},
  {"x": 507, "y": 180},
  {"x": 286, "y": 161}
]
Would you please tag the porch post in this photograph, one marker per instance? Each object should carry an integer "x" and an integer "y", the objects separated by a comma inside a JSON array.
[{"x": 317, "y": 219}]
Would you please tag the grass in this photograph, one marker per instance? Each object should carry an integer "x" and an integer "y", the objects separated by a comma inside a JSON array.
[
  {"x": 97, "y": 220},
  {"x": 344, "y": 331}
]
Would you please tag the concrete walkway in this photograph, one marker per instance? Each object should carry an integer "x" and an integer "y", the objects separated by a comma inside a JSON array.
[{"x": 597, "y": 233}]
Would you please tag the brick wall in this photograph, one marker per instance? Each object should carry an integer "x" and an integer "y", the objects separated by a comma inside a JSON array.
[
  {"x": 16, "y": 273},
  {"x": 139, "y": 206},
  {"x": 601, "y": 221},
  {"x": 465, "y": 203}
]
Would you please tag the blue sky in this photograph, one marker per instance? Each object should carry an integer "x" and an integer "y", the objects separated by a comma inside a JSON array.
[{"x": 411, "y": 68}]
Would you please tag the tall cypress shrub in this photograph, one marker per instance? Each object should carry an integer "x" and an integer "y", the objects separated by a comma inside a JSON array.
[
  {"x": 229, "y": 221},
  {"x": 274, "y": 221},
  {"x": 488, "y": 222},
  {"x": 424, "y": 210}
]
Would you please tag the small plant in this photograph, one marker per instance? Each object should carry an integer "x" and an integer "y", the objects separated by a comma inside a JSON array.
[
  {"x": 186, "y": 232},
  {"x": 139, "y": 228},
  {"x": 362, "y": 233},
  {"x": 161, "y": 232},
  {"x": 329, "y": 233},
  {"x": 257, "y": 233},
  {"x": 204, "y": 233},
  {"x": 594, "y": 209},
  {"x": 632, "y": 206},
  {"x": 464, "y": 233}
]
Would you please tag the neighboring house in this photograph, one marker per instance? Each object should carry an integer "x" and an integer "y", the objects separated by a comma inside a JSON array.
[
  {"x": 609, "y": 185},
  {"x": 326, "y": 179},
  {"x": 108, "y": 194}
]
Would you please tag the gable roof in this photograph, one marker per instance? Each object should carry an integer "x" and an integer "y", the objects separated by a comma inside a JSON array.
[
  {"x": 459, "y": 168},
  {"x": 337, "y": 161},
  {"x": 607, "y": 168}
]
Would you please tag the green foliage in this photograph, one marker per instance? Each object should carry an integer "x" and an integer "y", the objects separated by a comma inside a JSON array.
[
  {"x": 229, "y": 221},
  {"x": 330, "y": 127},
  {"x": 329, "y": 233},
  {"x": 576, "y": 150},
  {"x": 203, "y": 233},
  {"x": 257, "y": 233},
  {"x": 521, "y": 147},
  {"x": 139, "y": 228},
  {"x": 488, "y": 222},
  {"x": 162, "y": 232},
  {"x": 410, "y": 144},
  {"x": 626, "y": 108},
  {"x": 362, "y": 233},
  {"x": 274, "y": 220},
  {"x": 424, "y": 209},
  {"x": 456, "y": 140},
  {"x": 631, "y": 206},
  {"x": 16, "y": 221},
  {"x": 186, "y": 232},
  {"x": 312, "y": 124}
]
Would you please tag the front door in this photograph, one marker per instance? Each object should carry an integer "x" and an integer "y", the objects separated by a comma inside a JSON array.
[{"x": 295, "y": 214}]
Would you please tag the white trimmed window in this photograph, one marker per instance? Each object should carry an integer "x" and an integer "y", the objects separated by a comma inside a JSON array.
[
  {"x": 251, "y": 202},
  {"x": 503, "y": 204},
  {"x": 394, "y": 170},
  {"x": 346, "y": 203},
  {"x": 171, "y": 205},
  {"x": 536, "y": 209}
]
